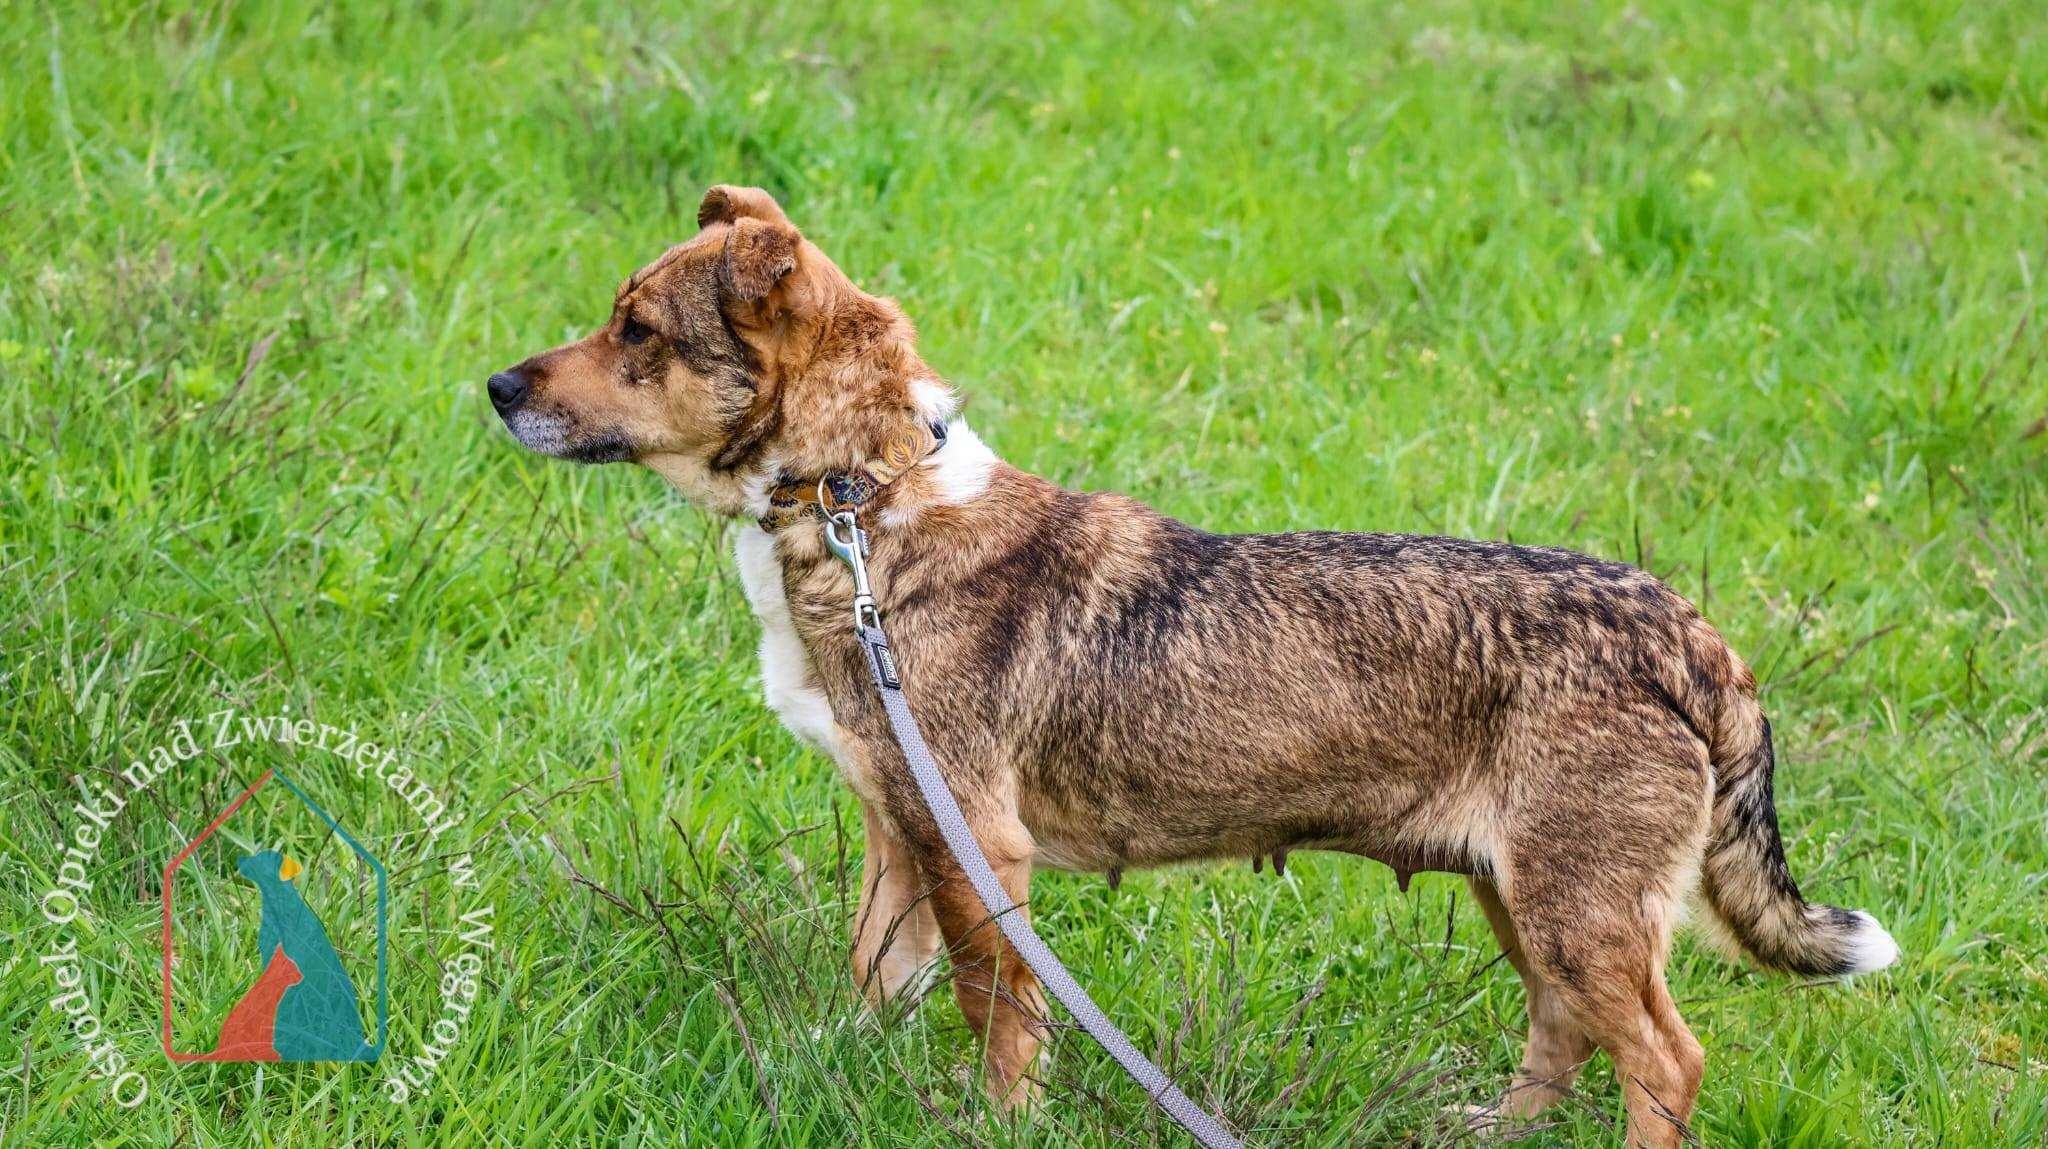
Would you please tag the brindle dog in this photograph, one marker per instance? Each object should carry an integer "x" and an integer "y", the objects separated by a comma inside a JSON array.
[{"x": 1107, "y": 687}]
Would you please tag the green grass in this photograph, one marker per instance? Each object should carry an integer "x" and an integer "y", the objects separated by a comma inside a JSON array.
[{"x": 1747, "y": 296}]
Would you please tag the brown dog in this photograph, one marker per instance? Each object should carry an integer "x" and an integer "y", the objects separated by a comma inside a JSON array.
[{"x": 1108, "y": 688}]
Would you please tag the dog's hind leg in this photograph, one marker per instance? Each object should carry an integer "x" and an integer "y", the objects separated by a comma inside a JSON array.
[
  {"x": 1557, "y": 1047},
  {"x": 896, "y": 938},
  {"x": 1592, "y": 872},
  {"x": 1610, "y": 976}
]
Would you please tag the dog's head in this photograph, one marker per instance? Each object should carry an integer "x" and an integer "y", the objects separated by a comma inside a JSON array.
[{"x": 740, "y": 354}]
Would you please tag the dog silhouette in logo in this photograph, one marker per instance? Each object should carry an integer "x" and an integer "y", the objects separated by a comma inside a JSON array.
[{"x": 303, "y": 1005}]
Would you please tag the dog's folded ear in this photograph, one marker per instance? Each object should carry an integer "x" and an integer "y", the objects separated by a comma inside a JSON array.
[
  {"x": 758, "y": 253},
  {"x": 762, "y": 245},
  {"x": 726, "y": 203}
]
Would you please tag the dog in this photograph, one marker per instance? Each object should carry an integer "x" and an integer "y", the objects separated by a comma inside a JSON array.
[{"x": 1106, "y": 687}]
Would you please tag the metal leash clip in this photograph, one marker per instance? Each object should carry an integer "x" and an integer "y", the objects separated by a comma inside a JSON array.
[{"x": 852, "y": 549}]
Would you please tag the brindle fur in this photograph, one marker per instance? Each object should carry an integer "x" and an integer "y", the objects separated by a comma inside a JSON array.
[{"x": 1107, "y": 688}]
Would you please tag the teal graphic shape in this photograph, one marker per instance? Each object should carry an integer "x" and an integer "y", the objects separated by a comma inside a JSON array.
[{"x": 319, "y": 1018}]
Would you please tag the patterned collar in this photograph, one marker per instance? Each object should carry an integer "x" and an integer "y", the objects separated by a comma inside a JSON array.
[{"x": 793, "y": 500}]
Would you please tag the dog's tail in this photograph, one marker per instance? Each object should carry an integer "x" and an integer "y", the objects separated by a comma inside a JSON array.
[{"x": 1744, "y": 877}]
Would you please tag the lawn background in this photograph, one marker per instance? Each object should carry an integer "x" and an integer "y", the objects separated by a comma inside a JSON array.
[{"x": 1748, "y": 296}]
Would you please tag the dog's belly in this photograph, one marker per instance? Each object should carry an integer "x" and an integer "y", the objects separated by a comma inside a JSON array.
[
  {"x": 1410, "y": 817},
  {"x": 1074, "y": 854},
  {"x": 1451, "y": 853},
  {"x": 1096, "y": 857}
]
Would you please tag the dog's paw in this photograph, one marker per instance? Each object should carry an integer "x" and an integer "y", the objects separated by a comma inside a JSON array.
[
  {"x": 1490, "y": 1122},
  {"x": 1483, "y": 1120},
  {"x": 1019, "y": 1097}
]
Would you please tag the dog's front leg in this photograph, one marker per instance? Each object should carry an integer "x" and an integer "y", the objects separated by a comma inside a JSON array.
[
  {"x": 895, "y": 935},
  {"x": 999, "y": 995},
  {"x": 997, "y": 992}
]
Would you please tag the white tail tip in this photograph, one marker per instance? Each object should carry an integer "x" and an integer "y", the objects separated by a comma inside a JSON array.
[{"x": 1870, "y": 947}]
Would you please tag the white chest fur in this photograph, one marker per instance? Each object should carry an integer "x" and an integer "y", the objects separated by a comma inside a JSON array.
[{"x": 786, "y": 679}]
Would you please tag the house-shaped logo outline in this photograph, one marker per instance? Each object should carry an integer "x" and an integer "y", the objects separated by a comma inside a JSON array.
[{"x": 369, "y": 859}]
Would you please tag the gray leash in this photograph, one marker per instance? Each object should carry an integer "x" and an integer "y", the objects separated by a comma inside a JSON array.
[{"x": 952, "y": 823}]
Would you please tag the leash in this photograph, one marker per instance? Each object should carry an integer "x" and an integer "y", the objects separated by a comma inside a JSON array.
[{"x": 852, "y": 547}]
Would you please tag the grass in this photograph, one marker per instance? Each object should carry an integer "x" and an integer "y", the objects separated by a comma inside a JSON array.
[{"x": 1745, "y": 295}]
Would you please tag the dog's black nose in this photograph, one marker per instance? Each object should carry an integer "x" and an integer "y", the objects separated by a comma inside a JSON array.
[{"x": 508, "y": 389}]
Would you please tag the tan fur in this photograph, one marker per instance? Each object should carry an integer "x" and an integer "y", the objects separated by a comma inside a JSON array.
[{"x": 1105, "y": 687}]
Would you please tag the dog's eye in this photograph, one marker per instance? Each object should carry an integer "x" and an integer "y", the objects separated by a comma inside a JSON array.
[{"x": 635, "y": 332}]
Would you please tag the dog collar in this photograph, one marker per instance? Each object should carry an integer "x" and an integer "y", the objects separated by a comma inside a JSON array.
[{"x": 792, "y": 500}]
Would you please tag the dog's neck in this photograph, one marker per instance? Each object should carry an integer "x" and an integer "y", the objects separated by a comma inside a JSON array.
[
  {"x": 954, "y": 475},
  {"x": 789, "y": 575},
  {"x": 949, "y": 465}
]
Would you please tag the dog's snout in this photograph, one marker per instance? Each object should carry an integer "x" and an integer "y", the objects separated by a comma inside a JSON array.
[{"x": 508, "y": 389}]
